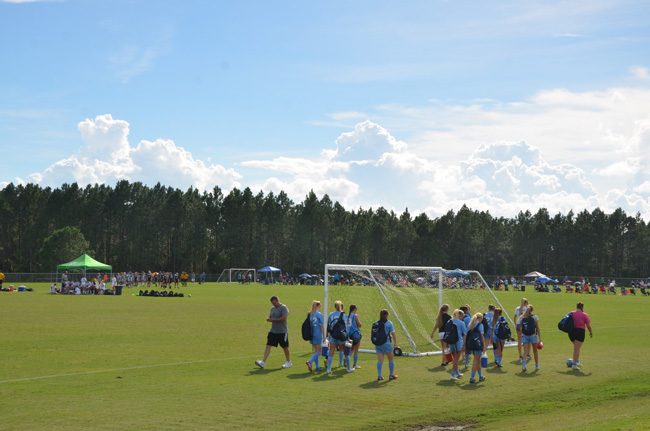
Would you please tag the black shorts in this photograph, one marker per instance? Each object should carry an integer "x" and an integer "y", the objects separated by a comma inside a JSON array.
[
  {"x": 577, "y": 335},
  {"x": 275, "y": 339}
]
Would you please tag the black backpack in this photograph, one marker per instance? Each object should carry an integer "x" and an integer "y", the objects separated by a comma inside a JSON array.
[
  {"x": 306, "y": 329},
  {"x": 503, "y": 330},
  {"x": 486, "y": 325},
  {"x": 474, "y": 341},
  {"x": 337, "y": 328},
  {"x": 566, "y": 324},
  {"x": 528, "y": 325},
  {"x": 451, "y": 333},
  {"x": 378, "y": 334}
]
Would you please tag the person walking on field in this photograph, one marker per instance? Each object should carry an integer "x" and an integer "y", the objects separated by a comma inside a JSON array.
[
  {"x": 581, "y": 320},
  {"x": 278, "y": 333},
  {"x": 475, "y": 344},
  {"x": 531, "y": 335},
  {"x": 441, "y": 320},
  {"x": 317, "y": 324},
  {"x": 519, "y": 313}
]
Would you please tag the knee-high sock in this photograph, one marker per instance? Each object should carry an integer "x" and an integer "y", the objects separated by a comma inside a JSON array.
[
  {"x": 340, "y": 357},
  {"x": 391, "y": 367},
  {"x": 379, "y": 367},
  {"x": 314, "y": 358},
  {"x": 356, "y": 359}
]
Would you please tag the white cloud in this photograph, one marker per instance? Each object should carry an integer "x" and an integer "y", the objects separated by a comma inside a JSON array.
[
  {"x": 106, "y": 156},
  {"x": 131, "y": 61},
  {"x": 640, "y": 72}
]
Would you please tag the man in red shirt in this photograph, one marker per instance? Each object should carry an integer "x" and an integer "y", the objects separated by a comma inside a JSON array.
[{"x": 581, "y": 321}]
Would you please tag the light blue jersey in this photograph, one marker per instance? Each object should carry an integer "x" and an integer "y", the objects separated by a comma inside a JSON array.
[
  {"x": 466, "y": 319},
  {"x": 351, "y": 325},
  {"x": 387, "y": 347},
  {"x": 331, "y": 319},
  {"x": 316, "y": 320},
  {"x": 488, "y": 316}
]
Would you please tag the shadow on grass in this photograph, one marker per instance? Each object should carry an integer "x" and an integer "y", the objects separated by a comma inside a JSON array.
[
  {"x": 448, "y": 382},
  {"x": 438, "y": 369},
  {"x": 374, "y": 384},
  {"x": 528, "y": 374},
  {"x": 324, "y": 375},
  {"x": 471, "y": 386},
  {"x": 574, "y": 373},
  {"x": 495, "y": 370},
  {"x": 304, "y": 375},
  {"x": 262, "y": 371}
]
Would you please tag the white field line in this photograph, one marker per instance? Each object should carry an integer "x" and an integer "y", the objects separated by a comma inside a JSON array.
[{"x": 110, "y": 370}]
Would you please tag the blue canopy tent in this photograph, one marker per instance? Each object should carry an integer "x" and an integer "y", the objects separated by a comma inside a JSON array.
[
  {"x": 456, "y": 273},
  {"x": 544, "y": 279},
  {"x": 268, "y": 271}
]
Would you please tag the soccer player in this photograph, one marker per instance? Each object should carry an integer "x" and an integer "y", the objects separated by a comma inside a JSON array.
[
  {"x": 457, "y": 347},
  {"x": 466, "y": 319},
  {"x": 581, "y": 320},
  {"x": 334, "y": 343},
  {"x": 441, "y": 319},
  {"x": 317, "y": 331},
  {"x": 353, "y": 327},
  {"x": 498, "y": 342},
  {"x": 519, "y": 312},
  {"x": 278, "y": 333},
  {"x": 531, "y": 335},
  {"x": 386, "y": 348},
  {"x": 475, "y": 344}
]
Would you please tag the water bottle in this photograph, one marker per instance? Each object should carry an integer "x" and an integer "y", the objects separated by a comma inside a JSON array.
[{"x": 484, "y": 360}]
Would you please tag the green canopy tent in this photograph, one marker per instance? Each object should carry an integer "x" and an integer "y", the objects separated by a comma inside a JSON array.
[{"x": 83, "y": 263}]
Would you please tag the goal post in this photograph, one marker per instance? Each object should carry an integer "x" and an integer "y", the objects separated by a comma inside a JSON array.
[
  {"x": 411, "y": 294},
  {"x": 237, "y": 275}
]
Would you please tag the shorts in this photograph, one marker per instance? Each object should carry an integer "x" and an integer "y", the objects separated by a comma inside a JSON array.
[
  {"x": 477, "y": 352},
  {"x": 317, "y": 341},
  {"x": 387, "y": 347},
  {"x": 335, "y": 342},
  {"x": 457, "y": 347},
  {"x": 274, "y": 339},
  {"x": 529, "y": 339},
  {"x": 577, "y": 334}
]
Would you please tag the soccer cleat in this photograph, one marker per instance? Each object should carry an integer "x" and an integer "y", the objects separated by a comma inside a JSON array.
[
  {"x": 459, "y": 374},
  {"x": 309, "y": 366},
  {"x": 380, "y": 378},
  {"x": 481, "y": 379},
  {"x": 523, "y": 369},
  {"x": 287, "y": 364},
  {"x": 537, "y": 367},
  {"x": 357, "y": 367},
  {"x": 259, "y": 363},
  {"x": 472, "y": 381},
  {"x": 454, "y": 376},
  {"x": 392, "y": 377},
  {"x": 350, "y": 370}
]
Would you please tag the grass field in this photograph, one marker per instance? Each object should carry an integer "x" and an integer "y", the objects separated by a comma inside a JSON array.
[{"x": 135, "y": 363}]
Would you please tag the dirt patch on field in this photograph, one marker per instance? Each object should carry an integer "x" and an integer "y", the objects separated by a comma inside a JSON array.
[{"x": 442, "y": 427}]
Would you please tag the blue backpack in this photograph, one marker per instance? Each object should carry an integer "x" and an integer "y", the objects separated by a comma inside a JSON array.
[
  {"x": 451, "y": 332},
  {"x": 566, "y": 324},
  {"x": 503, "y": 330},
  {"x": 337, "y": 328},
  {"x": 378, "y": 334}
]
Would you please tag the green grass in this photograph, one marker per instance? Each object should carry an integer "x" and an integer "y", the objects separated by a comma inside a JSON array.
[{"x": 132, "y": 363}]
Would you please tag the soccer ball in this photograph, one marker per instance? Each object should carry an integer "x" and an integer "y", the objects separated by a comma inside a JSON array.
[
  {"x": 569, "y": 363},
  {"x": 348, "y": 344},
  {"x": 540, "y": 345}
]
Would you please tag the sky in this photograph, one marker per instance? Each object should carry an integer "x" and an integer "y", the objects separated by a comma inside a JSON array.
[{"x": 504, "y": 106}]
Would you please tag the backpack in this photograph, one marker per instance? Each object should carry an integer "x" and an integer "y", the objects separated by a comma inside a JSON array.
[
  {"x": 306, "y": 329},
  {"x": 474, "y": 341},
  {"x": 486, "y": 325},
  {"x": 503, "y": 330},
  {"x": 353, "y": 333},
  {"x": 566, "y": 324},
  {"x": 451, "y": 332},
  {"x": 337, "y": 328},
  {"x": 528, "y": 326},
  {"x": 378, "y": 334}
]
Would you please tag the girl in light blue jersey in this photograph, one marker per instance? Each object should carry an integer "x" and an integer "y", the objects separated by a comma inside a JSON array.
[
  {"x": 475, "y": 344},
  {"x": 386, "y": 348},
  {"x": 353, "y": 327},
  {"x": 498, "y": 343},
  {"x": 334, "y": 344},
  {"x": 466, "y": 319},
  {"x": 457, "y": 347},
  {"x": 317, "y": 331}
]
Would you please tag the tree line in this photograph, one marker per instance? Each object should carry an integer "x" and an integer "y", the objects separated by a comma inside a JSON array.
[{"x": 136, "y": 227}]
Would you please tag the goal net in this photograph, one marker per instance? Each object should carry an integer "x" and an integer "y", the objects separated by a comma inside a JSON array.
[
  {"x": 238, "y": 275},
  {"x": 411, "y": 294}
]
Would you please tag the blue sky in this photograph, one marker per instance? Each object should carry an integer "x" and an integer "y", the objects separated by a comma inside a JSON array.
[{"x": 504, "y": 105}]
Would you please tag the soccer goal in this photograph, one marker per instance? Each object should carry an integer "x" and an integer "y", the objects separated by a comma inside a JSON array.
[
  {"x": 237, "y": 275},
  {"x": 411, "y": 294}
]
